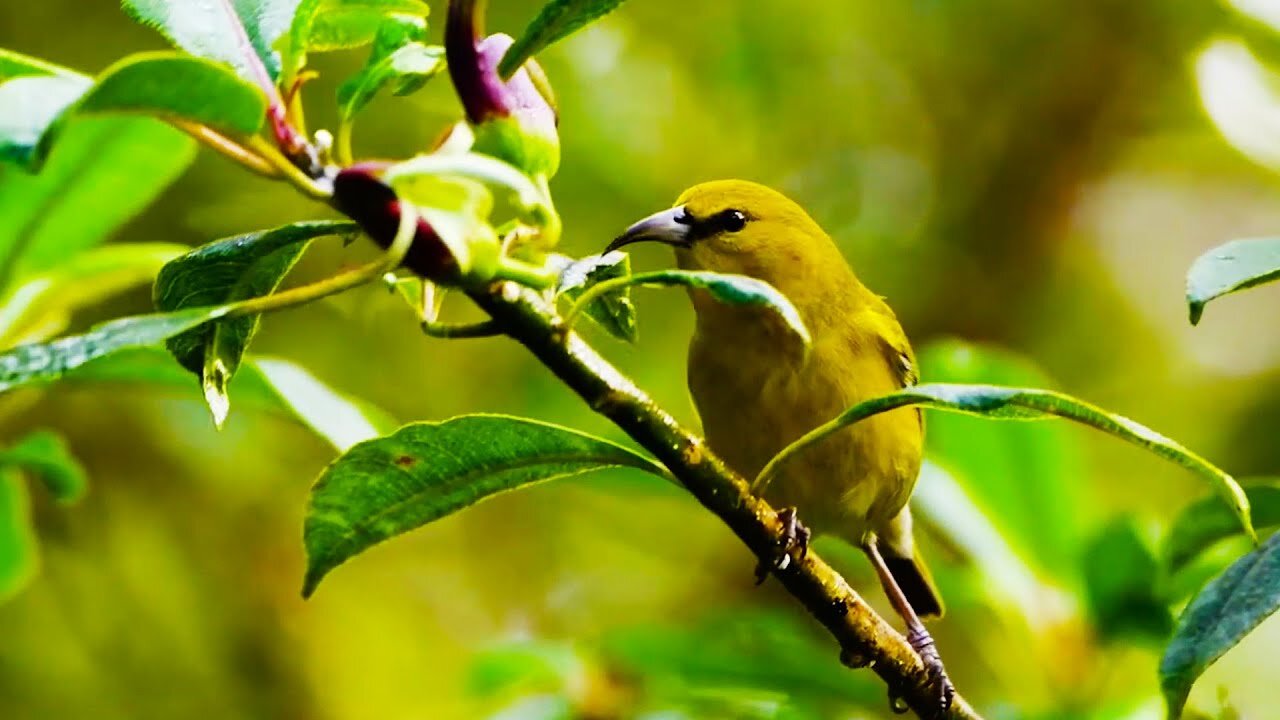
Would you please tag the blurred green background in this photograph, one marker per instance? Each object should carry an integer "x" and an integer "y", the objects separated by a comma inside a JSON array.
[{"x": 1031, "y": 177}]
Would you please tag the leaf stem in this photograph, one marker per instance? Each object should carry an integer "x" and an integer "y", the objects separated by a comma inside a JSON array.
[
  {"x": 342, "y": 143},
  {"x": 288, "y": 170},
  {"x": 451, "y": 331},
  {"x": 861, "y": 411},
  {"x": 655, "y": 278},
  {"x": 344, "y": 281},
  {"x": 227, "y": 147},
  {"x": 534, "y": 276}
]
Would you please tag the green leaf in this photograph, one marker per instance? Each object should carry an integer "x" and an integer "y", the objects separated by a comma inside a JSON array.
[
  {"x": 39, "y": 362},
  {"x": 264, "y": 384},
  {"x": 614, "y": 311},
  {"x": 33, "y": 95},
  {"x": 31, "y": 104},
  {"x": 239, "y": 33},
  {"x": 1120, "y": 577},
  {"x": 18, "y": 554},
  {"x": 178, "y": 86},
  {"x": 1021, "y": 475},
  {"x": 103, "y": 172},
  {"x": 44, "y": 455},
  {"x": 425, "y": 471},
  {"x": 14, "y": 64},
  {"x": 1010, "y": 403},
  {"x": 224, "y": 271},
  {"x": 155, "y": 369},
  {"x": 728, "y": 289},
  {"x": 741, "y": 655},
  {"x": 341, "y": 421},
  {"x": 167, "y": 85},
  {"x": 1206, "y": 522},
  {"x": 557, "y": 20},
  {"x": 41, "y": 304},
  {"x": 1237, "y": 265},
  {"x": 524, "y": 666},
  {"x": 324, "y": 25},
  {"x": 1226, "y": 610},
  {"x": 398, "y": 61}
]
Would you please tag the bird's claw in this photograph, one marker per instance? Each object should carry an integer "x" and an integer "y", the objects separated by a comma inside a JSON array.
[
  {"x": 793, "y": 547},
  {"x": 923, "y": 644}
]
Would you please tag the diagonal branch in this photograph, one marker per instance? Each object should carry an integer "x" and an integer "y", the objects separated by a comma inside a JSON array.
[{"x": 865, "y": 638}]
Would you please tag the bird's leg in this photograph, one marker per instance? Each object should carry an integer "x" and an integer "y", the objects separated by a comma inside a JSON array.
[
  {"x": 917, "y": 635},
  {"x": 793, "y": 547}
]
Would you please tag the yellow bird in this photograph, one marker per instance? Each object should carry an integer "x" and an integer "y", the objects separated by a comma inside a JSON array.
[{"x": 756, "y": 391}]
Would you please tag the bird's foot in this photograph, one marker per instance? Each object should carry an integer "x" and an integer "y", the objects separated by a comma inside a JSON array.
[
  {"x": 793, "y": 547},
  {"x": 923, "y": 644}
]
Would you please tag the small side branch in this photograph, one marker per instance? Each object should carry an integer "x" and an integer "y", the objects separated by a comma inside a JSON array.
[{"x": 865, "y": 638}]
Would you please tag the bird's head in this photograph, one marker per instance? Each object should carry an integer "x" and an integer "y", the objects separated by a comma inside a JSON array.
[{"x": 735, "y": 226}]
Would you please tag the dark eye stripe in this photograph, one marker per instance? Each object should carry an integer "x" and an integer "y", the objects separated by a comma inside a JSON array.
[{"x": 724, "y": 221}]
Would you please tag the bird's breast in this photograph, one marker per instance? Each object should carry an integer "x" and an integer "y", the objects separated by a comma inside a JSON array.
[{"x": 753, "y": 403}]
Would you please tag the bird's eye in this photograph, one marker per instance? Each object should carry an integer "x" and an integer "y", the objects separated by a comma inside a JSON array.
[{"x": 731, "y": 220}]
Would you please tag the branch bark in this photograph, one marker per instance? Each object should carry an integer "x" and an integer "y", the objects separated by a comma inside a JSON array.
[{"x": 865, "y": 639}]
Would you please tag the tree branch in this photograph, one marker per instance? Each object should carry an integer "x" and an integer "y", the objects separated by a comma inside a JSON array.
[{"x": 865, "y": 639}]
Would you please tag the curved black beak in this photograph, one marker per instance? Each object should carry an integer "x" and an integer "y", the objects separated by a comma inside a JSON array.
[{"x": 671, "y": 227}]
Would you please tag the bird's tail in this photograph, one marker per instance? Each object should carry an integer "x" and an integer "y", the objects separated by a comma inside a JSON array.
[{"x": 915, "y": 581}]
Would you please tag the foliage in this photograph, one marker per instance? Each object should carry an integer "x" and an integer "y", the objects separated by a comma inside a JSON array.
[{"x": 85, "y": 155}]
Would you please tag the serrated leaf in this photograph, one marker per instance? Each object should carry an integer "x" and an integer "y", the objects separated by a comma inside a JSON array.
[
  {"x": 44, "y": 456},
  {"x": 1012, "y": 403},
  {"x": 1237, "y": 265},
  {"x": 1206, "y": 522},
  {"x": 239, "y": 33},
  {"x": 44, "y": 301},
  {"x": 224, "y": 271},
  {"x": 1219, "y": 617},
  {"x": 425, "y": 471},
  {"x": 324, "y": 25},
  {"x": 555, "y": 21},
  {"x": 1021, "y": 475},
  {"x": 102, "y": 173},
  {"x": 178, "y": 86},
  {"x": 398, "y": 61},
  {"x": 39, "y": 362},
  {"x": 614, "y": 311},
  {"x": 1120, "y": 577}
]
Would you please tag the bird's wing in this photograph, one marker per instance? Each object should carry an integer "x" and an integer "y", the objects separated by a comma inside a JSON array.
[
  {"x": 897, "y": 352},
  {"x": 896, "y": 349}
]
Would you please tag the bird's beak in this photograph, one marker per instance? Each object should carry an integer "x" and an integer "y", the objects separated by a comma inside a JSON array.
[{"x": 669, "y": 226}]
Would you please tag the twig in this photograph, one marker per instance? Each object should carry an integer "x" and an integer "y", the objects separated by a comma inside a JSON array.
[
  {"x": 227, "y": 147},
  {"x": 865, "y": 638}
]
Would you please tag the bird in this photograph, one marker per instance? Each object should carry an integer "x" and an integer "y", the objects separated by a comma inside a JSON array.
[{"x": 757, "y": 388}]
